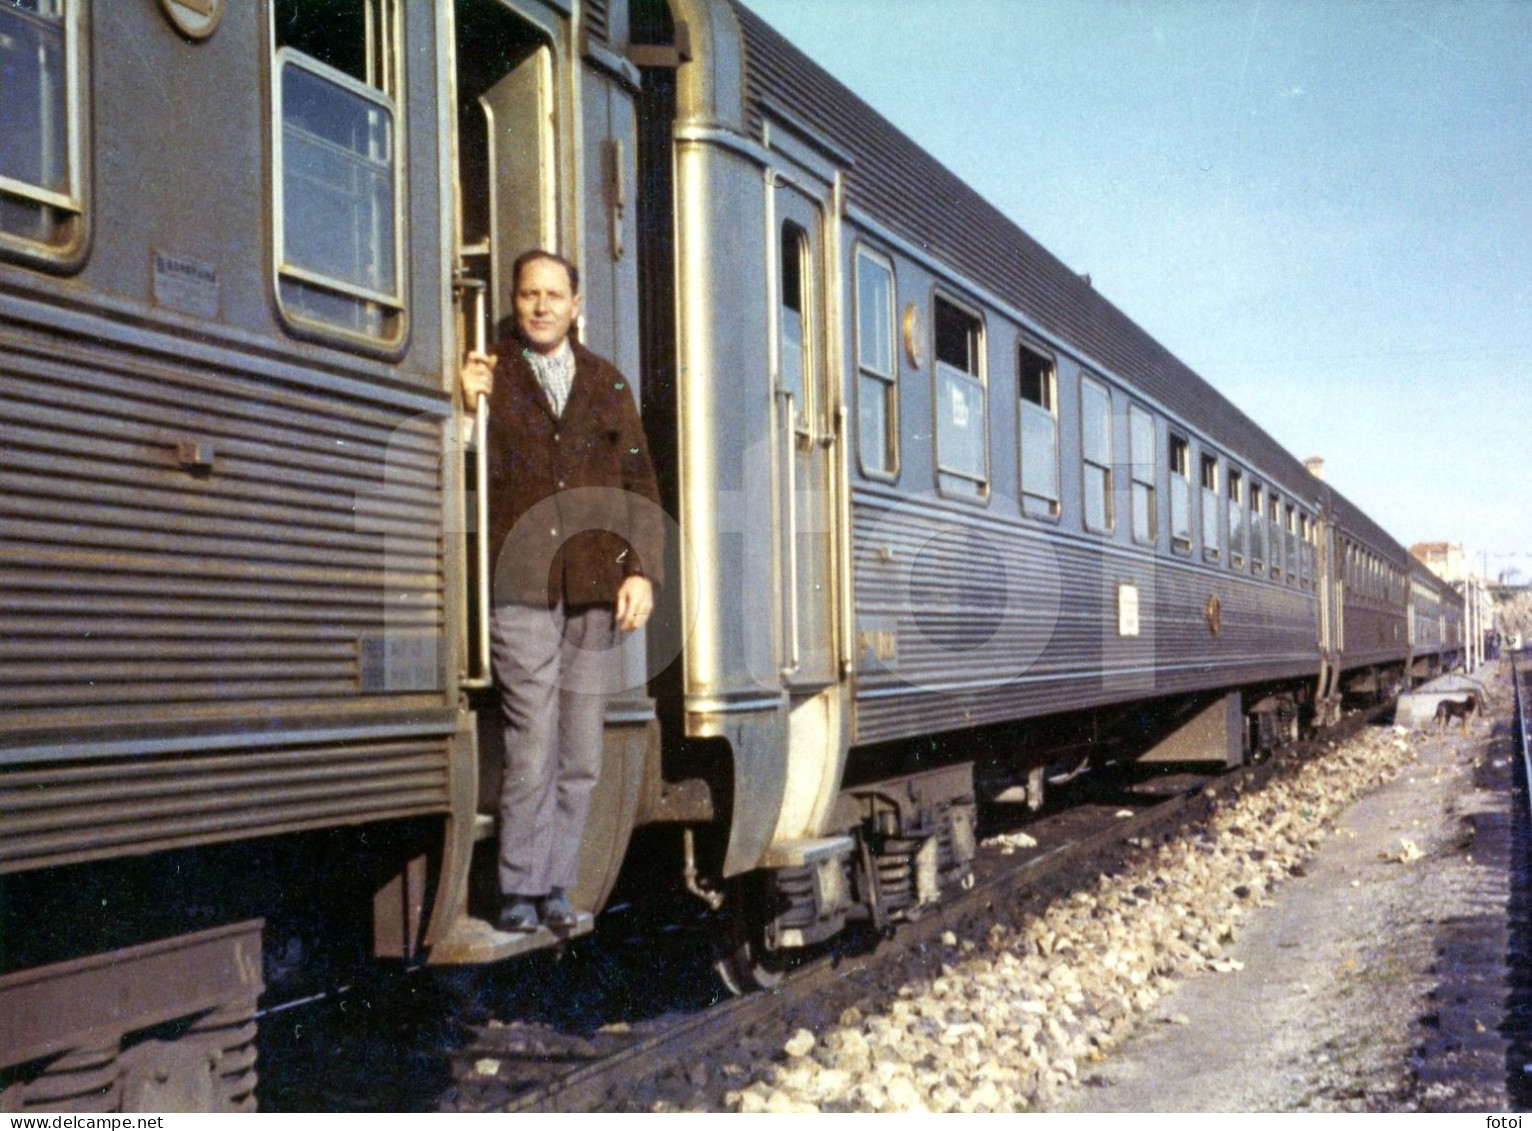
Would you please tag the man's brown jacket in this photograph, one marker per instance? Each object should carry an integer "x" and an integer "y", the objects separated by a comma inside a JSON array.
[{"x": 573, "y": 504}]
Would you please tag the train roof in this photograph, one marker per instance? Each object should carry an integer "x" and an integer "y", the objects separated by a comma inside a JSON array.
[
  {"x": 1355, "y": 522},
  {"x": 906, "y": 189}
]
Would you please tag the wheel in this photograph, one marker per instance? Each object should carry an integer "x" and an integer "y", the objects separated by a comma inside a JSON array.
[
  {"x": 740, "y": 956},
  {"x": 744, "y": 968}
]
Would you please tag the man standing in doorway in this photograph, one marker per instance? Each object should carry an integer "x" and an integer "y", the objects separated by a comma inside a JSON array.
[{"x": 575, "y": 522}]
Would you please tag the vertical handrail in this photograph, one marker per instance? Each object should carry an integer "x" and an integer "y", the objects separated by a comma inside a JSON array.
[
  {"x": 480, "y": 675},
  {"x": 481, "y": 503},
  {"x": 844, "y": 545},
  {"x": 790, "y": 529}
]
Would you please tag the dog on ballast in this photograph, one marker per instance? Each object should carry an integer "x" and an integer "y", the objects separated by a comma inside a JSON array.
[{"x": 1449, "y": 709}]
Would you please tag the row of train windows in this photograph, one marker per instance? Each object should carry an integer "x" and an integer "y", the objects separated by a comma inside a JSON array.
[
  {"x": 337, "y": 218},
  {"x": 1368, "y": 575},
  {"x": 1258, "y": 530}
]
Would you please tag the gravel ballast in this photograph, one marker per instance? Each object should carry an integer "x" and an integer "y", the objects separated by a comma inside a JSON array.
[{"x": 1054, "y": 1011}]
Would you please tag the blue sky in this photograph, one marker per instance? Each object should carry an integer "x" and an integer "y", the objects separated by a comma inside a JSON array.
[{"x": 1322, "y": 206}]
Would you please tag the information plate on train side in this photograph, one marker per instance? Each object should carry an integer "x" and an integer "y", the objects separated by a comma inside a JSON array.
[
  {"x": 1127, "y": 609},
  {"x": 187, "y": 285}
]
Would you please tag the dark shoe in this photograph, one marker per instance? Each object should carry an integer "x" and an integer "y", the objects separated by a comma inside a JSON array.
[
  {"x": 518, "y": 914},
  {"x": 556, "y": 910}
]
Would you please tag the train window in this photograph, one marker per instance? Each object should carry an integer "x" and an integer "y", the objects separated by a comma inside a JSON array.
[
  {"x": 1141, "y": 452},
  {"x": 41, "y": 198},
  {"x": 1257, "y": 530},
  {"x": 1274, "y": 525},
  {"x": 1291, "y": 528},
  {"x": 1037, "y": 381},
  {"x": 1236, "y": 518},
  {"x": 1305, "y": 551},
  {"x": 1180, "y": 493},
  {"x": 1096, "y": 450},
  {"x": 1212, "y": 527},
  {"x": 877, "y": 401},
  {"x": 338, "y": 215},
  {"x": 793, "y": 341},
  {"x": 962, "y": 429}
]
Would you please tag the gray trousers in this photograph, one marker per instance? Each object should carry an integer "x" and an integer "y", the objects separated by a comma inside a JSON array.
[{"x": 555, "y": 669}]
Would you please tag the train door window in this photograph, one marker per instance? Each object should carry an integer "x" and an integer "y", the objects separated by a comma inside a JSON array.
[
  {"x": 1274, "y": 525},
  {"x": 1236, "y": 519},
  {"x": 1180, "y": 494},
  {"x": 1096, "y": 452},
  {"x": 792, "y": 334},
  {"x": 337, "y": 214},
  {"x": 1141, "y": 456},
  {"x": 1212, "y": 525},
  {"x": 962, "y": 428},
  {"x": 1257, "y": 530},
  {"x": 1037, "y": 382},
  {"x": 1305, "y": 552},
  {"x": 41, "y": 196},
  {"x": 877, "y": 402}
]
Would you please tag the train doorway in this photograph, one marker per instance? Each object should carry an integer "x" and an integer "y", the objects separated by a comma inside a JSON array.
[{"x": 510, "y": 145}]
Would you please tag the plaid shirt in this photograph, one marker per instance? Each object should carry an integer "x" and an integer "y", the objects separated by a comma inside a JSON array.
[{"x": 555, "y": 373}]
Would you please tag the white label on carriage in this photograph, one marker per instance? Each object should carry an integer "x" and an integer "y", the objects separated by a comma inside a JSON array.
[
  {"x": 878, "y": 641},
  {"x": 959, "y": 406},
  {"x": 1127, "y": 609},
  {"x": 187, "y": 285}
]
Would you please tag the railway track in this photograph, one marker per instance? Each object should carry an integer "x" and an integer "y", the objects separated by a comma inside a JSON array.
[
  {"x": 1519, "y": 958},
  {"x": 539, "y": 1066}
]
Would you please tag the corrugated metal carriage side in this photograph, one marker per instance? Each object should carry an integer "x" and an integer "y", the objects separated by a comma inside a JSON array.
[{"x": 159, "y": 617}]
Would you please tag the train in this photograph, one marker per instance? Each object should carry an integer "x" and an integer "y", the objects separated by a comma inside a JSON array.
[{"x": 946, "y": 525}]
